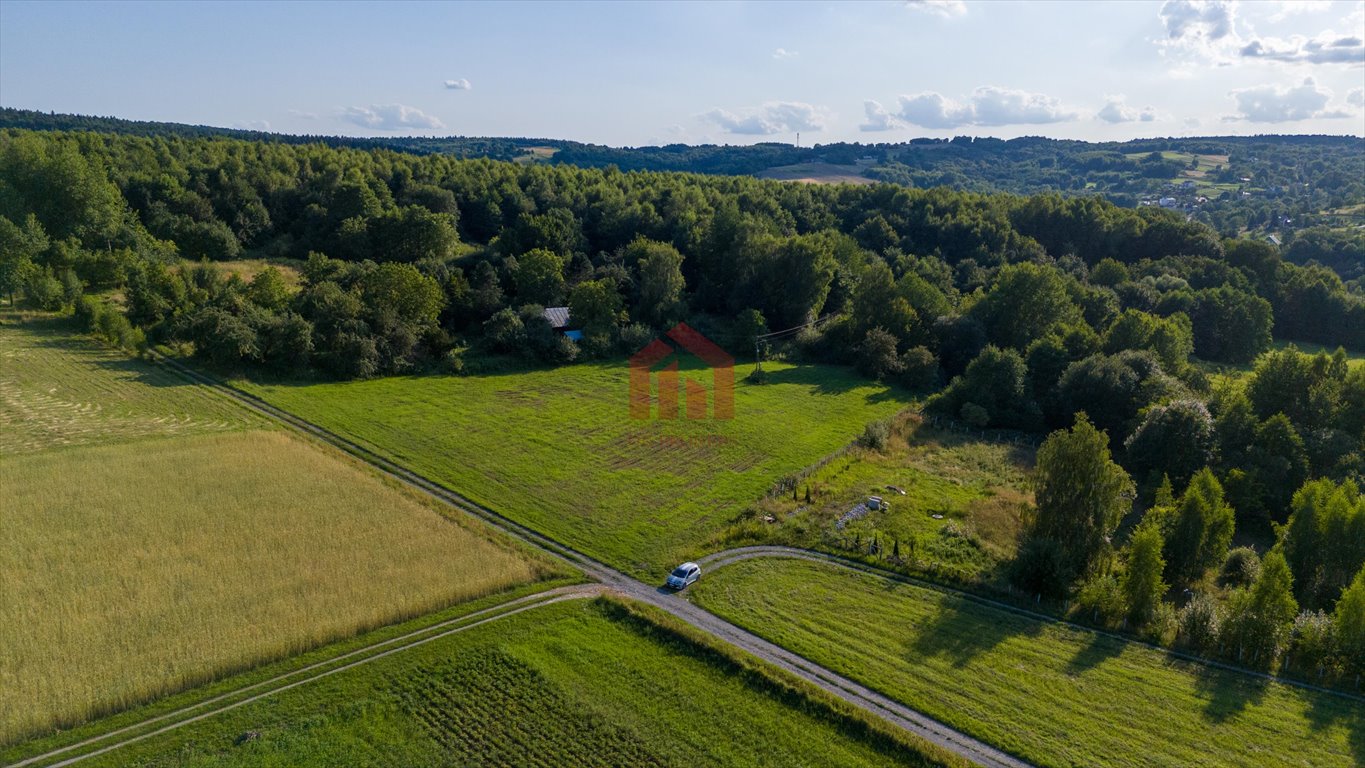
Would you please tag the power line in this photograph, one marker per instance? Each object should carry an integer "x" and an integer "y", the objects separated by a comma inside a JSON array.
[{"x": 758, "y": 340}]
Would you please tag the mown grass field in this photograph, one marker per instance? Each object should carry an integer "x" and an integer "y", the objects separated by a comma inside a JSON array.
[
  {"x": 58, "y": 390},
  {"x": 960, "y": 513},
  {"x": 572, "y": 684},
  {"x": 556, "y": 450},
  {"x": 188, "y": 544},
  {"x": 1054, "y": 695}
]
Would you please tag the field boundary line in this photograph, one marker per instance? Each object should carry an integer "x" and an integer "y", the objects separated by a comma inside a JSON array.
[
  {"x": 738, "y": 554},
  {"x": 434, "y": 632}
]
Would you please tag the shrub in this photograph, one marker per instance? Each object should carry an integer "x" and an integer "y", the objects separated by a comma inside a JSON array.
[
  {"x": 1100, "y": 598},
  {"x": 1198, "y": 624},
  {"x": 1313, "y": 643},
  {"x": 453, "y": 361},
  {"x": 876, "y": 436},
  {"x": 1240, "y": 568},
  {"x": 635, "y": 337},
  {"x": 975, "y": 415},
  {"x": 919, "y": 369}
]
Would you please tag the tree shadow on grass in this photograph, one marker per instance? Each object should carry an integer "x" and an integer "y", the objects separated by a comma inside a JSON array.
[
  {"x": 143, "y": 373},
  {"x": 831, "y": 380},
  {"x": 1227, "y": 693},
  {"x": 1098, "y": 650},
  {"x": 963, "y": 629},
  {"x": 1328, "y": 709}
]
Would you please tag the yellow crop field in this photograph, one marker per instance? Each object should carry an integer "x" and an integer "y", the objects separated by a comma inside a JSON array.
[{"x": 168, "y": 556}]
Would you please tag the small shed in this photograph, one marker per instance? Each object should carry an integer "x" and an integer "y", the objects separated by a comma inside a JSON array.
[{"x": 558, "y": 318}]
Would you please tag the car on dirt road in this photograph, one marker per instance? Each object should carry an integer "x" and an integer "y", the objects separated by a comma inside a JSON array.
[{"x": 683, "y": 575}]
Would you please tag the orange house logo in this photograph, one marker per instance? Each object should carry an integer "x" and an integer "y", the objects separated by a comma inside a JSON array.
[{"x": 642, "y": 366}]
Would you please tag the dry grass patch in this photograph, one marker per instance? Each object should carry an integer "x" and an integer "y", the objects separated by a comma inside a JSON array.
[{"x": 133, "y": 570}]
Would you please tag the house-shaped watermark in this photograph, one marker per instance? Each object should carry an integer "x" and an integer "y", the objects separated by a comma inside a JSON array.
[{"x": 720, "y": 362}]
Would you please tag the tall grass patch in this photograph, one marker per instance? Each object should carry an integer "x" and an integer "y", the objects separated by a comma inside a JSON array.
[{"x": 133, "y": 570}]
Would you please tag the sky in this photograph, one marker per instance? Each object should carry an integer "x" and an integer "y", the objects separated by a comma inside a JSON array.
[{"x": 638, "y": 73}]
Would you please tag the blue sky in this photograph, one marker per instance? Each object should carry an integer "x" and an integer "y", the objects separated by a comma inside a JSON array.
[{"x": 649, "y": 73}]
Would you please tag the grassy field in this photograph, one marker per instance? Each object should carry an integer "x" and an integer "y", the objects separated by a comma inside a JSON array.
[
  {"x": 61, "y": 390},
  {"x": 187, "y": 545},
  {"x": 1053, "y": 695},
  {"x": 557, "y": 450},
  {"x": 816, "y": 173},
  {"x": 572, "y": 684},
  {"x": 1223, "y": 373},
  {"x": 960, "y": 514},
  {"x": 249, "y": 268}
]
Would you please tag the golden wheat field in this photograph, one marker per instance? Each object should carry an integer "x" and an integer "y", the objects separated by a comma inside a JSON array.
[{"x": 149, "y": 564}]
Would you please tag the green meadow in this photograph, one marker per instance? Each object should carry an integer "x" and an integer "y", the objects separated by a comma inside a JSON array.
[
  {"x": 1052, "y": 694},
  {"x": 558, "y": 451}
]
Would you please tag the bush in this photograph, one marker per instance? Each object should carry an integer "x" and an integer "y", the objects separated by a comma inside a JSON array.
[
  {"x": 635, "y": 337},
  {"x": 1198, "y": 624},
  {"x": 1313, "y": 643},
  {"x": 1101, "y": 599},
  {"x": 108, "y": 324},
  {"x": 453, "y": 361},
  {"x": 974, "y": 415},
  {"x": 876, "y": 436},
  {"x": 1240, "y": 568},
  {"x": 919, "y": 370}
]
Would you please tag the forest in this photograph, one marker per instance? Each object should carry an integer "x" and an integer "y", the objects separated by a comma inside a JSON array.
[
  {"x": 1303, "y": 189},
  {"x": 1114, "y": 329}
]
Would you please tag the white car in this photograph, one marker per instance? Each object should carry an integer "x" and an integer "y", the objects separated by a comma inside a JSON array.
[{"x": 683, "y": 575}]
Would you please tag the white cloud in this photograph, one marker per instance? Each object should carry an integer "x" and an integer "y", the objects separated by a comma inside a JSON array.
[
  {"x": 390, "y": 117},
  {"x": 1356, "y": 97},
  {"x": 252, "y": 125},
  {"x": 1199, "y": 21},
  {"x": 1291, "y": 7},
  {"x": 988, "y": 105},
  {"x": 461, "y": 84},
  {"x": 783, "y": 53},
  {"x": 945, "y": 8},
  {"x": 1001, "y": 106},
  {"x": 878, "y": 119},
  {"x": 302, "y": 115},
  {"x": 1116, "y": 110},
  {"x": 770, "y": 118},
  {"x": 1207, "y": 31},
  {"x": 1274, "y": 104},
  {"x": 933, "y": 110},
  {"x": 1326, "y": 48}
]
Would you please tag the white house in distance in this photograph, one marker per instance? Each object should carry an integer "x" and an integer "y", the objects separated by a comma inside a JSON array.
[{"x": 558, "y": 318}]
